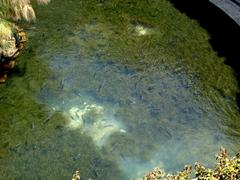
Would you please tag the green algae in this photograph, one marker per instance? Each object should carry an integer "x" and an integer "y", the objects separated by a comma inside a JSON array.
[
  {"x": 105, "y": 32},
  {"x": 66, "y": 150},
  {"x": 175, "y": 39}
]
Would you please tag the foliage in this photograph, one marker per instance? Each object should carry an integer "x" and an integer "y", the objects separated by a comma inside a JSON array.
[
  {"x": 5, "y": 29},
  {"x": 15, "y": 10},
  {"x": 158, "y": 173},
  {"x": 18, "y": 9},
  {"x": 225, "y": 168},
  {"x": 7, "y": 44}
]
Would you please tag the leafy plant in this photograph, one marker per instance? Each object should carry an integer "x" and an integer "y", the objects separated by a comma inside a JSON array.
[
  {"x": 18, "y": 9},
  {"x": 15, "y": 10},
  {"x": 226, "y": 169}
]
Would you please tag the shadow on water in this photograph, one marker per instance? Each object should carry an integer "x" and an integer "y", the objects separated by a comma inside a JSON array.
[{"x": 223, "y": 31}]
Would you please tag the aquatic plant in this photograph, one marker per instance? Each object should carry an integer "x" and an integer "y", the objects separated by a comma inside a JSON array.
[
  {"x": 18, "y": 9},
  {"x": 15, "y": 10},
  {"x": 76, "y": 176},
  {"x": 7, "y": 42},
  {"x": 47, "y": 71},
  {"x": 5, "y": 28},
  {"x": 225, "y": 168},
  {"x": 158, "y": 173}
]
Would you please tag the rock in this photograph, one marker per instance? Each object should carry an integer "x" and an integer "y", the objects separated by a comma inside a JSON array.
[{"x": 12, "y": 41}]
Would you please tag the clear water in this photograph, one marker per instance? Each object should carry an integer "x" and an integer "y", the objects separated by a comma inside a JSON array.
[{"x": 114, "y": 89}]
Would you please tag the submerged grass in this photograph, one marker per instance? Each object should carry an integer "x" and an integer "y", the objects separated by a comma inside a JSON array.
[
  {"x": 175, "y": 39},
  {"x": 108, "y": 31}
]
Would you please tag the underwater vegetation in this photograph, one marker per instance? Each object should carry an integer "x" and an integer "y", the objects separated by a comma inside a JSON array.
[{"x": 115, "y": 88}]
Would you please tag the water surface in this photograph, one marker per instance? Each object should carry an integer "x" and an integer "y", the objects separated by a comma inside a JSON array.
[{"x": 115, "y": 88}]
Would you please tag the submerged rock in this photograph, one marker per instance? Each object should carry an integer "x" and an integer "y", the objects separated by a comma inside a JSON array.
[{"x": 12, "y": 40}]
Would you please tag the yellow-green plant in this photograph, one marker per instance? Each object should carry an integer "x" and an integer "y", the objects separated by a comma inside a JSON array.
[
  {"x": 18, "y": 9},
  {"x": 5, "y": 29},
  {"x": 14, "y": 10},
  {"x": 226, "y": 169},
  {"x": 7, "y": 42},
  {"x": 158, "y": 174}
]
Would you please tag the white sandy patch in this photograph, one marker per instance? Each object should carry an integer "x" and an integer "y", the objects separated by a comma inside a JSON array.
[
  {"x": 142, "y": 31},
  {"x": 93, "y": 120}
]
